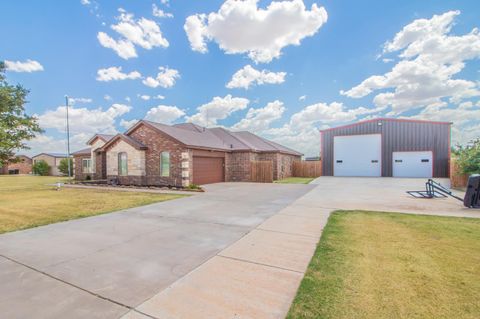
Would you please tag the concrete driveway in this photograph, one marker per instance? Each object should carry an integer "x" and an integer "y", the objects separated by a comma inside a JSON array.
[
  {"x": 100, "y": 267},
  {"x": 383, "y": 194},
  {"x": 238, "y": 251}
]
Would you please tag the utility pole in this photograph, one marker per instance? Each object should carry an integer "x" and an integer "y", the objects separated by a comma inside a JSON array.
[{"x": 68, "y": 140}]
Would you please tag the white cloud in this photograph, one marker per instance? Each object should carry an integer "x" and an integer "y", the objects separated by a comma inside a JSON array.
[
  {"x": 240, "y": 26},
  {"x": 107, "y": 97},
  {"x": 218, "y": 108},
  {"x": 260, "y": 119},
  {"x": 27, "y": 66},
  {"x": 323, "y": 113},
  {"x": 196, "y": 30},
  {"x": 140, "y": 32},
  {"x": 159, "y": 97},
  {"x": 124, "y": 49},
  {"x": 421, "y": 29},
  {"x": 165, "y": 78},
  {"x": 74, "y": 100},
  {"x": 115, "y": 73},
  {"x": 302, "y": 98},
  {"x": 430, "y": 58},
  {"x": 127, "y": 124},
  {"x": 164, "y": 114},
  {"x": 144, "y": 97},
  {"x": 159, "y": 13},
  {"x": 83, "y": 120},
  {"x": 301, "y": 130},
  {"x": 249, "y": 76},
  {"x": 85, "y": 2}
]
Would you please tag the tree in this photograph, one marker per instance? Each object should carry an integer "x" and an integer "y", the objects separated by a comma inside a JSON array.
[
  {"x": 468, "y": 157},
  {"x": 41, "y": 168},
  {"x": 16, "y": 127},
  {"x": 63, "y": 167}
]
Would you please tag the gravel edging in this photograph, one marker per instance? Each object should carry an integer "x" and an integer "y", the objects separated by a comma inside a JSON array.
[{"x": 137, "y": 190}]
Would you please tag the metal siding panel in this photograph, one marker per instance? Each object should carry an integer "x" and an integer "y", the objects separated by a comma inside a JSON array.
[{"x": 397, "y": 136}]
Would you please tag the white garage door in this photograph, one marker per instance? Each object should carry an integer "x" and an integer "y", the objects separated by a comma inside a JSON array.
[
  {"x": 412, "y": 164},
  {"x": 357, "y": 155}
]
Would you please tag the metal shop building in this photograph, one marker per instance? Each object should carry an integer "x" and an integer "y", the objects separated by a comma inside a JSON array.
[{"x": 387, "y": 147}]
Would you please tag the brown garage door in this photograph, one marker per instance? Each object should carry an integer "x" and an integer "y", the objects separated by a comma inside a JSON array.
[{"x": 207, "y": 170}]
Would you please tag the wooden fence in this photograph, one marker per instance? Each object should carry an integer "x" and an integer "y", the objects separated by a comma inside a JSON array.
[
  {"x": 261, "y": 171},
  {"x": 457, "y": 179},
  {"x": 307, "y": 169}
]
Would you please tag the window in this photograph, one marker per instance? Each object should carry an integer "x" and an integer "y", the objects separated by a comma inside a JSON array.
[
  {"x": 86, "y": 165},
  {"x": 165, "y": 164},
  {"x": 122, "y": 164}
]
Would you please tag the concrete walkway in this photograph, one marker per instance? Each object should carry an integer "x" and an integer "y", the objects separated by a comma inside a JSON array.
[{"x": 256, "y": 277}]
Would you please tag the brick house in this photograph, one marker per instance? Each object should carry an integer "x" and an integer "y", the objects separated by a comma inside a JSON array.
[
  {"x": 151, "y": 153},
  {"x": 23, "y": 166}
]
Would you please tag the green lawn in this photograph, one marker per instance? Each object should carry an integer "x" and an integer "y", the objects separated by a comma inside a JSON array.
[
  {"x": 26, "y": 201},
  {"x": 295, "y": 180},
  {"x": 383, "y": 265}
]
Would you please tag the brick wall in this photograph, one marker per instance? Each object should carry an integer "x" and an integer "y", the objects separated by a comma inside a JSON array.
[
  {"x": 100, "y": 165},
  {"x": 237, "y": 166},
  {"x": 23, "y": 167},
  {"x": 158, "y": 143},
  {"x": 79, "y": 175}
]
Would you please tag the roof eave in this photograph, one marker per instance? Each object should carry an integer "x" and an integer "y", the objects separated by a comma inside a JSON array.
[{"x": 384, "y": 119}]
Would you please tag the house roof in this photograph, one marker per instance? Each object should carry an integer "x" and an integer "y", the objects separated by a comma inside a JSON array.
[
  {"x": 261, "y": 144},
  {"x": 217, "y": 138},
  {"x": 104, "y": 137},
  {"x": 57, "y": 155},
  {"x": 136, "y": 144},
  {"x": 85, "y": 151},
  {"x": 386, "y": 119}
]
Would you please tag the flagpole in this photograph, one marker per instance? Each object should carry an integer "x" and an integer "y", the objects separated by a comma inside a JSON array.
[{"x": 68, "y": 139}]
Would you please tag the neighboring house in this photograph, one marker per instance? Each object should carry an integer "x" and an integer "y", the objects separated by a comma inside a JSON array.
[
  {"x": 24, "y": 166},
  {"x": 52, "y": 159},
  {"x": 151, "y": 153},
  {"x": 387, "y": 147}
]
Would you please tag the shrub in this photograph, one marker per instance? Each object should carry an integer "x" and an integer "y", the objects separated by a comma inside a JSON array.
[
  {"x": 468, "y": 157},
  {"x": 88, "y": 178},
  {"x": 193, "y": 186},
  {"x": 63, "y": 167},
  {"x": 41, "y": 168}
]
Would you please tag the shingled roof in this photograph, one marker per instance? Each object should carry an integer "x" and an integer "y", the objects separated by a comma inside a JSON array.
[
  {"x": 217, "y": 138},
  {"x": 85, "y": 151},
  {"x": 105, "y": 137}
]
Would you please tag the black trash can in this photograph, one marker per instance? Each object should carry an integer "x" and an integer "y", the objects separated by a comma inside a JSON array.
[{"x": 472, "y": 195}]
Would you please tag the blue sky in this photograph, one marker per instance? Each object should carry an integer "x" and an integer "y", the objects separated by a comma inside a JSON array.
[{"x": 430, "y": 72}]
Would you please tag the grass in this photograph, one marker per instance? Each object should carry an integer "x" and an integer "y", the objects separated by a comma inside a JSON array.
[
  {"x": 384, "y": 265},
  {"x": 295, "y": 180},
  {"x": 26, "y": 201}
]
